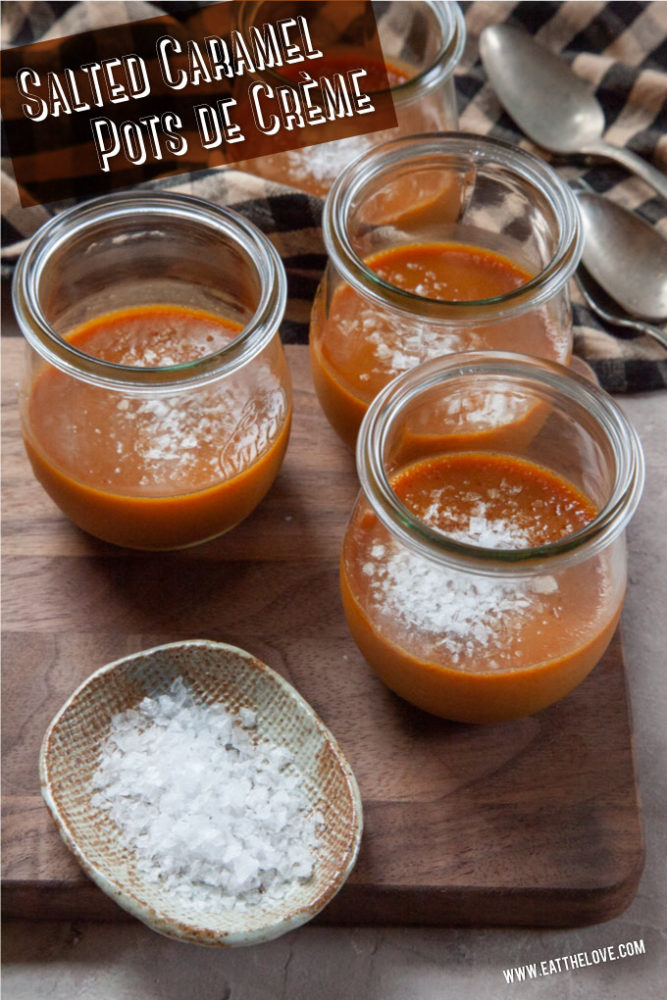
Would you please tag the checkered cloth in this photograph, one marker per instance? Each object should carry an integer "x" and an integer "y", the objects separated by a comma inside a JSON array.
[{"x": 621, "y": 48}]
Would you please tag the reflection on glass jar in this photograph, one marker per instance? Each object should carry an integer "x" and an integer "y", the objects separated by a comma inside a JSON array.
[
  {"x": 422, "y": 43},
  {"x": 482, "y": 583},
  {"x": 156, "y": 403},
  {"x": 439, "y": 244}
]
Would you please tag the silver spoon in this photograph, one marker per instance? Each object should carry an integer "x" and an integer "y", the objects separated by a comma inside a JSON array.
[
  {"x": 627, "y": 260},
  {"x": 604, "y": 306},
  {"x": 551, "y": 104}
]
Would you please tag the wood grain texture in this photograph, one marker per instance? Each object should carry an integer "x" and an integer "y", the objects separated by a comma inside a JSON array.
[{"x": 534, "y": 822}]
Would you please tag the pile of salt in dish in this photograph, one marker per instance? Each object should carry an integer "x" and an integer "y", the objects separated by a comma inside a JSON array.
[{"x": 208, "y": 807}]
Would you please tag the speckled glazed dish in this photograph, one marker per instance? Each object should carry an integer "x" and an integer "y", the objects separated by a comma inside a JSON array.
[{"x": 217, "y": 673}]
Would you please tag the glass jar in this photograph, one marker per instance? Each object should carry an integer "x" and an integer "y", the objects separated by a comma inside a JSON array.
[
  {"x": 422, "y": 43},
  {"x": 156, "y": 401},
  {"x": 483, "y": 583},
  {"x": 439, "y": 244}
]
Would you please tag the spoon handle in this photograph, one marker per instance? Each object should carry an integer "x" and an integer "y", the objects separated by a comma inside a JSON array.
[
  {"x": 638, "y": 325},
  {"x": 654, "y": 332},
  {"x": 631, "y": 162}
]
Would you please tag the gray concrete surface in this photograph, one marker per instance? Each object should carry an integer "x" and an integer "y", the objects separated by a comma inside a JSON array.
[{"x": 128, "y": 962}]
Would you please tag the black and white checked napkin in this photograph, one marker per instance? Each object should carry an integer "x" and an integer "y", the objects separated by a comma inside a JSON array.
[{"x": 619, "y": 47}]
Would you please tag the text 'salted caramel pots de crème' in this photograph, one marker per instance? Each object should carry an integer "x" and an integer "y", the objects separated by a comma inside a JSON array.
[
  {"x": 439, "y": 244},
  {"x": 421, "y": 44},
  {"x": 483, "y": 584},
  {"x": 156, "y": 402}
]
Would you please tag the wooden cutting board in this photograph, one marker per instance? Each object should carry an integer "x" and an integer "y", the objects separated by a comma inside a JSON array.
[{"x": 534, "y": 822}]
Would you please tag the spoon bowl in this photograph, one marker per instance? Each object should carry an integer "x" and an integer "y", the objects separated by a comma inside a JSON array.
[
  {"x": 625, "y": 255},
  {"x": 550, "y": 103}
]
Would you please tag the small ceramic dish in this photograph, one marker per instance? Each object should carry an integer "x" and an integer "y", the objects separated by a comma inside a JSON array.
[{"x": 215, "y": 673}]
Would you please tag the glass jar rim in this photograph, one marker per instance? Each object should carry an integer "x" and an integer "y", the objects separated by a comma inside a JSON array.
[
  {"x": 145, "y": 206},
  {"x": 453, "y": 38},
  {"x": 442, "y": 66},
  {"x": 608, "y": 523},
  {"x": 478, "y": 149}
]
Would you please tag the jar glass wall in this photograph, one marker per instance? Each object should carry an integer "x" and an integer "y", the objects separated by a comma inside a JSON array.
[
  {"x": 156, "y": 401},
  {"x": 439, "y": 244},
  {"x": 422, "y": 43},
  {"x": 481, "y": 579}
]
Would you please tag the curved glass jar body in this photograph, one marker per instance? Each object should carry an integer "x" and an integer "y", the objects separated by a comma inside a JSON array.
[
  {"x": 422, "y": 43},
  {"x": 475, "y": 623},
  {"x": 156, "y": 401},
  {"x": 439, "y": 244}
]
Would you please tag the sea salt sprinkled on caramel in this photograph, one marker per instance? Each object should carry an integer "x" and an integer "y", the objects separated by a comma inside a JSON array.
[
  {"x": 449, "y": 609},
  {"x": 490, "y": 501},
  {"x": 172, "y": 443}
]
